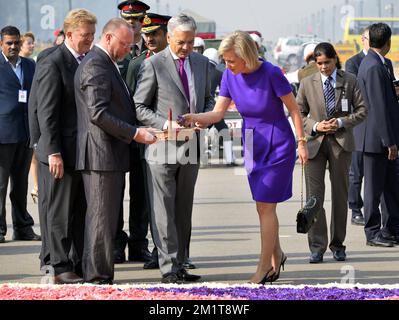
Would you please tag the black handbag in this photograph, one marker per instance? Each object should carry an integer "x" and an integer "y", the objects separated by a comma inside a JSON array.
[{"x": 307, "y": 215}]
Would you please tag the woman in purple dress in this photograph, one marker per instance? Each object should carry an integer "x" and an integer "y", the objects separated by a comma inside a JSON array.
[{"x": 259, "y": 90}]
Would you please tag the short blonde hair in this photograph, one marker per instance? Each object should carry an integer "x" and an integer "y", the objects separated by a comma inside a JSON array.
[
  {"x": 243, "y": 45},
  {"x": 76, "y": 17},
  {"x": 27, "y": 35}
]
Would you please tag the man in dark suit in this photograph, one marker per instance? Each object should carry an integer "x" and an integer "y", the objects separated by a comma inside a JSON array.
[
  {"x": 355, "y": 199},
  {"x": 178, "y": 80},
  {"x": 132, "y": 11},
  {"x": 16, "y": 75},
  {"x": 63, "y": 207},
  {"x": 378, "y": 138},
  {"x": 106, "y": 127}
]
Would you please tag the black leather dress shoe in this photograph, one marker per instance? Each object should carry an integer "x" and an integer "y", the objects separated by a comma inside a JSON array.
[
  {"x": 153, "y": 264},
  {"x": 316, "y": 257},
  {"x": 171, "y": 277},
  {"x": 119, "y": 255},
  {"x": 339, "y": 255},
  {"x": 185, "y": 276},
  {"x": 393, "y": 239},
  {"x": 67, "y": 278},
  {"x": 140, "y": 255},
  {"x": 101, "y": 282},
  {"x": 380, "y": 241},
  {"x": 358, "y": 220},
  {"x": 2, "y": 239},
  {"x": 26, "y": 236},
  {"x": 189, "y": 265}
]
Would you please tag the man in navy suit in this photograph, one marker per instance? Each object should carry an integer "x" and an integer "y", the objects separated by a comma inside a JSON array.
[
  {"x": 378, "y": 138},
  {"x": 356, "y": 170},
  {"x": 16, "y": 75}
]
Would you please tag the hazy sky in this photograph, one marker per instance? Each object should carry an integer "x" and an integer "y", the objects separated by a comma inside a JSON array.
[{"x": 272, "y": 18}]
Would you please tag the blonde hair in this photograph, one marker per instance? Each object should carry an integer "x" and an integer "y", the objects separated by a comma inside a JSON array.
[
  {"x": 27, "y": 35},
  {"x": 76, "y": 17},
  {"x": 244, "y": 47}
]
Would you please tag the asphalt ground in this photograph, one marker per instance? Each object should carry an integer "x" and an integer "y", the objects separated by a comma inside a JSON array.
[{"x": 225, "y": 241}]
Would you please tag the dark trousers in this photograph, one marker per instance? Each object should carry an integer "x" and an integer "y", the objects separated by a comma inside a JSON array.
[
  {"x": 139, "y": 212},
  {"x": 381, "y": 178},
  {"x": 15, "y": 159},
  {"x": 355, "y": 200},
  {"x": 103, "y": 192},
  {"x": 61, "y": 211},
  {"x": 338, "y": 165}
]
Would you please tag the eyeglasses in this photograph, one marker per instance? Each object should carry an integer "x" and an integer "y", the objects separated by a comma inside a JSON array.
[{"x": 124, "y": 44}]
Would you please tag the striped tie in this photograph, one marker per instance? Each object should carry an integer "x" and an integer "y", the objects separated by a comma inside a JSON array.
[{"x": 329, "y": 95}]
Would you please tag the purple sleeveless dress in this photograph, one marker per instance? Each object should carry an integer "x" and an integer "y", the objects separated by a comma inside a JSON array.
[{"x": 269, "y": 143}]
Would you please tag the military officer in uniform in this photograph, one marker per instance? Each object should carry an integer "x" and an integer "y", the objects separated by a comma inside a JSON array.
[
  {"x": 132, "y": 11},
  {"x": 154, "y": 29}
]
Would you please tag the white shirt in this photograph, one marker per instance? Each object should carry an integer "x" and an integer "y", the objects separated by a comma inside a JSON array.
[
  {"x": 17, "y": 69},
  {"x": 74, "y": 53},
  {"x": 334, "y": 84},
  {"x": 190, "y": 78}
]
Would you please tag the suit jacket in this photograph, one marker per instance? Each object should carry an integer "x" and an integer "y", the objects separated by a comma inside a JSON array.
[
  {"x": 313, "y": 109},
  {"x": 54, "y": 97},
  {"x": 159, "y": 88},
  {"x": 14, "y": 127},
  {"x": 106, "y": 115},
  {"x": 381, "y": 128},
  {"x": 34, "y": 128}
]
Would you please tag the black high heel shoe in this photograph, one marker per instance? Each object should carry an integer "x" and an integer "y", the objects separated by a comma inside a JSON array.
[
  {"x": 268, "y": 277},
  {"x": 282, "y": 262}
]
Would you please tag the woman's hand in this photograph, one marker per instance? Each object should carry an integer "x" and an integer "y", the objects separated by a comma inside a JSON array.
[
  {"x": 186, "y": 120},
  {"x": 303, "y": 153}
]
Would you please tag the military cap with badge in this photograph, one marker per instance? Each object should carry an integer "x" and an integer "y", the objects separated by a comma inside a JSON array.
[
  {"x": 152, "y": 21},
  {"x": 132, "y": 9}
]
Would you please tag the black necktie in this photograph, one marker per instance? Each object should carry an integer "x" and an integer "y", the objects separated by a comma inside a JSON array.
[{"x": 136, "y": 51}]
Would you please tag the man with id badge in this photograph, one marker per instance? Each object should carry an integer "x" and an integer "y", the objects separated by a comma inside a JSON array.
[
  {"x": 16, "y": 75},
  {"x": 331, "y": 105}
]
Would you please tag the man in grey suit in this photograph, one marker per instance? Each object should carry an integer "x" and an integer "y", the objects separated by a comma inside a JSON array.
[
  {"x": 176, "y": 79},
  {"x": 106, "y": 127}
]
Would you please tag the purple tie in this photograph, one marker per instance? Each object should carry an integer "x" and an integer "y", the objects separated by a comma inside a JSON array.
[{"x": 184, "y": 79}]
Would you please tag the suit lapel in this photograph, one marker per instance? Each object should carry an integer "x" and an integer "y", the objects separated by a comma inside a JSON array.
[
  {"x": 318, "y": 85},
  {"x": 8, "y": 69},
  {"x": 196, "y": 72},
  {"x": 69, "y": 59},
  {"x": 171, "y": 67},
  {"x": 115, "y": 71}
]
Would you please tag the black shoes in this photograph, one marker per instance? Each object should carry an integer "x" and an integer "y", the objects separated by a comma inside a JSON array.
[
  {"x": 153, "y": 264},
  {"x": 282, "y": 263},
  {"x": 316, "y": 257},
  {"x": 119, "y": 255},
  {"x": 188, "y": 264},
  {"x": 28, "y": 235},
  {"x": 380, "y": 241},
  {"x": 140, "y": 255},
  {"x": 179, "y": 277},
  {"x": 171, "y": 277},
  {"x": 67, "y": 278},
  {"x": 185, "y": 276},
  {"x": 268, "y": 277},
  {"x": 2, "y": 239},
  {"x": 339, "y": 255},
  {"x": 101, "y": 282},
  {"x": 357, "y": 219}
]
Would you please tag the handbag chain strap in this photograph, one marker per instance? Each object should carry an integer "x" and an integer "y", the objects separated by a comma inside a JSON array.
[{"x": 303, "y": 173}]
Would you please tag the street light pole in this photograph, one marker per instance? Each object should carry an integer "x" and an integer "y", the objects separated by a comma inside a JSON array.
[
  {"x": 379, "y": 8},
  {"x": 27, "y": 15}
]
